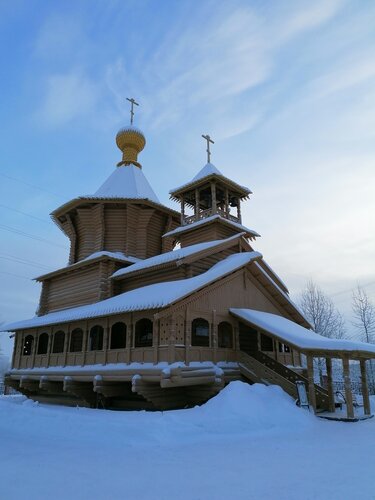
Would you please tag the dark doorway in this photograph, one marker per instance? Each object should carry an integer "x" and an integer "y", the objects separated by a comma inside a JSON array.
[{"x": 248, "y": 338}]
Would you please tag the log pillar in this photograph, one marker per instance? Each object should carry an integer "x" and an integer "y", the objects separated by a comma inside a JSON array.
[
  {"x": 310, "y": 378},
  {"x": 213, "y": 199},
  {"x": 348, "y": 388},
  {"x": 182, "y": 210},
  {"x": 366, "y": 399},
  {"x": 331, "y": 392},
  {"x": 196, "y": 208},
  {"x": 239, "y": 210},
  {"x": 226, "y": 209}
]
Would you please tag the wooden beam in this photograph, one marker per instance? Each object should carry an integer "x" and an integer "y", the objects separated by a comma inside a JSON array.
[
  {"x": 310, "y": 377},
  {"x": 331, "y": 392},
  {"x": 348, "y": 388},
  {"x": 366, "y": 399}
]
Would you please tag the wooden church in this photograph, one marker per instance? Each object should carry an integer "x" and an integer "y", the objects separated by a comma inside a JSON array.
[{"x": 159, "y": 309}]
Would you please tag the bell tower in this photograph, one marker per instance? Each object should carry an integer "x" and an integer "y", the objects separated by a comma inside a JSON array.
[{"x": 210, "y": 206}]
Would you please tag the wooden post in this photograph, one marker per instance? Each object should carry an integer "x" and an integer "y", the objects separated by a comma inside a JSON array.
[
  {"x": 239, "y": 210},
  {"x": 66, "y": 344},
  {"x": 348, "y": 388},
  {"x": 310, "y": 377},
  {"x": 226, "y": 209},
  {"x": 366, "y": 399},
  {"x": 182, "y": 210},
  {"x": 85, "y": 343},
  {"x": 214, "y": 336},
  {"x": 213, "y": 199},
  {"x": 196, "y": 210},
  {"x": 106, "y": 341},
  {"x": 155, "y": 337},
  {"x": 331, "y": 393}
]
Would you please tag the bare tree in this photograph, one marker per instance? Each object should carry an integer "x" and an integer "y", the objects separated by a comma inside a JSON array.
[
  {"x": 364, "y": 322},
  {"x": 364, "y": 315},
  {"x": 323, "y": 316}
]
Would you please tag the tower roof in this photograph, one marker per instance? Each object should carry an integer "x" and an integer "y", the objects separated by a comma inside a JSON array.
[
  {"x": 207, "y": 172},
  {"x": 127, "y": 182}
]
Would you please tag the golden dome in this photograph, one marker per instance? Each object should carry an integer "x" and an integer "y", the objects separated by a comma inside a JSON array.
[{"x": 130, "y": 141}]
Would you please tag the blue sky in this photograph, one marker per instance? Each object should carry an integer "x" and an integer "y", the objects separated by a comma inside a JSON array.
[{"x": 286, "y": 89}]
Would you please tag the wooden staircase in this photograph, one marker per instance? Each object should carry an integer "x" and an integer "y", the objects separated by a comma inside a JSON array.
[{"x": 260, "y": 368}]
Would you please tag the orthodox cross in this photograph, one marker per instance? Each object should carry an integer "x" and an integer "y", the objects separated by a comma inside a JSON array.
[
  {"x": 132, "y": 101},
  {"x": 209, "y": 140}
]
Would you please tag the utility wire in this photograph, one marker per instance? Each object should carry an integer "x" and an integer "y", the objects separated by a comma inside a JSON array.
[
  {"x": 25, "y": 213},
  {"x": 31, "y": 236},
  {"x": 31, "y": 185},
  {"x": 17, "y": 275},
  {"x": 24, "y": 261}
]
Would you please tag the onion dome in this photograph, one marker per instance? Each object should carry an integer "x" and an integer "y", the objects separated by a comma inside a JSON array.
[{"x": 130, "y": 141}]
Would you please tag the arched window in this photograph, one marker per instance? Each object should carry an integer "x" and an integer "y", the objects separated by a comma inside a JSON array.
[
  {"x": 96, "y": 338},
  {"x": 225, "y": 335},
  {"x": 43, "y": 343},
  {"x": 76, "y": 340},
  {"x": 200, "y": 332},
  {"x": 58, "y": 342},
  {"x": 118, "y": 336},
  {"x": 143, "y": 333},
  {"x": 28, "y": 345}
]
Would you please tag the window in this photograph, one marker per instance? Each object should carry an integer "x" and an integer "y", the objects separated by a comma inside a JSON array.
[
  {"x": 283, "y": 347},
  {"x": 143, "y": 333},
  {"x": 43, "y": 343},
  {"x": 58, "y": 342},
  {"x": 118, "y": 336},
  {"x": 225, "y": 335},
  {"x": 28, "y": 345},
  {"x": 200, "y": 333},
  {"x": 96, "y": 338},
  {"x": 266, "y": 343},
  {"x": 76, "y": 340}
]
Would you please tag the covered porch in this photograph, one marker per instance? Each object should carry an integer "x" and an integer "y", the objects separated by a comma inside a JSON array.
[{"x": 312, "y": 345}]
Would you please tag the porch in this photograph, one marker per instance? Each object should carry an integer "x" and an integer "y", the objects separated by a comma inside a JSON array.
[{"x": 321, "y": 401}]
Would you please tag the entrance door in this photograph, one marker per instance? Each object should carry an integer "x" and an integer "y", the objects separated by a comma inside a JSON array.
[{"x": 248, "y": 339}]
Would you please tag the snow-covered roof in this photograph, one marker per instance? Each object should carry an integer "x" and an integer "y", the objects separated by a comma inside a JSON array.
[
  {"x": 174, "y": 255},
  {"x": 201, "y": 222},
  {"x": 119, "y": 256},
  {"x": 208, "y": 170},
  {"x": 127, "y": 182},
  {"x": 111, "y": 255},
  {"x": 296, "y": 335},
  {"x": 153, "y": 296}
]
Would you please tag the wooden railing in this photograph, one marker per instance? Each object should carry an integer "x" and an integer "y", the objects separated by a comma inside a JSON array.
[
  {"x": 207, "y": 213},
  {"x": 279, "y": 374}
]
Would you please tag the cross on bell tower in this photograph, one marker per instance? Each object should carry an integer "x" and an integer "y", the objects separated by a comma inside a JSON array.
[
  {"x": 132, "y": 102},
  {"x": 209, "y": 140}
]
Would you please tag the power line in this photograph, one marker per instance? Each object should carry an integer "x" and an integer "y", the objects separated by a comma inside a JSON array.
[
  {"x": 31, "y": 236},
  {"x": 24, "y": 261},
  {"x": 25, "y": 213},
  {"x": 31, "y": 185},
  {"x": 17, "y": 275},
  {"x": 351, "y": 289}
]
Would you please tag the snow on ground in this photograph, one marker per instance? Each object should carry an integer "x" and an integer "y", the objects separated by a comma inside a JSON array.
[{"x": 250, "y": 442}]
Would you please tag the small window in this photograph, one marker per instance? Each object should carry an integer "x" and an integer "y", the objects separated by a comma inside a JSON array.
[
  {"x": 58, "y": 342},
  {"x": 96, "y": 338},
  {"x": 43, "y": 343},
  {"x": 200, "y": 332},
  {"x": 76, "y": 340},
  {"x": 143, "y": 333},
  {"x": 28, "y": 345},
  {"x": 118, "y": 336},
  {"x": 266, "y": 343},
  {"x": 225, "y": 335}
]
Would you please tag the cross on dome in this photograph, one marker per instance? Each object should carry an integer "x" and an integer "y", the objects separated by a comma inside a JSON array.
[
  {"x": 209, "y": 140},
  {"x": 132, "y": 102}
]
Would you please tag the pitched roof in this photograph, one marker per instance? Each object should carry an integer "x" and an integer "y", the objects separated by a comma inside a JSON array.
[
  {"x": 207, "y": 171},
  {"x": 118, "y": 256},
  {"x": 127, "y": 182},
  {"x": 296, "y": 335},
  {"x": 155, "y": 296},
  {"x": 174, "y": 255},
  {"x": 207, "y": 220}
]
